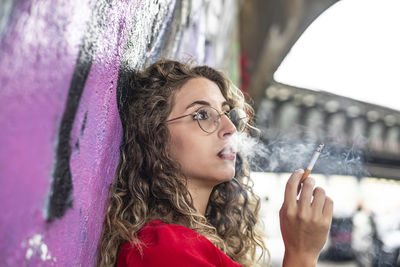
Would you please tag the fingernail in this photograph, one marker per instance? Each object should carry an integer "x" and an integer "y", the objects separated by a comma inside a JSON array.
[{"x": 299, "y": 170}]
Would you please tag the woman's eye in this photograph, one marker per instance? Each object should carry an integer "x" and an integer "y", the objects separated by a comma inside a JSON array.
[{"x": 201, "y": 115}]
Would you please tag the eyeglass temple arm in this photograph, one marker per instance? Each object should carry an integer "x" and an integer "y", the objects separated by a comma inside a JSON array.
[{"x": 180, "y": 117}]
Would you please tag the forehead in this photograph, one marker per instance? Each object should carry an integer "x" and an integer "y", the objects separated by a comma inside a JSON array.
[{"x": 199, "y": 89}]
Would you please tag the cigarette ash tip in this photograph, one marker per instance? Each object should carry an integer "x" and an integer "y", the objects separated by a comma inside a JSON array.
[{"x": 320, "y": 147}]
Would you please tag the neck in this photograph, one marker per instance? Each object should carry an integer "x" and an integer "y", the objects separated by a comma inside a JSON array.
[{"x": 200, "y": 194}]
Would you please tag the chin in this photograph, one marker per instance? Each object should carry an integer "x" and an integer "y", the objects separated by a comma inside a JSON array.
[{"x": 227, "y": 175}]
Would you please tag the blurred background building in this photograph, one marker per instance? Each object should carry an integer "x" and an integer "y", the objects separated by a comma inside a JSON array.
[
  {"x": 324, "y": 72},
  {"x": 62, "y": 65}
]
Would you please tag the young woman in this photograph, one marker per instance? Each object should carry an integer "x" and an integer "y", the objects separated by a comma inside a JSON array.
[{"x": 182, "y": 195}]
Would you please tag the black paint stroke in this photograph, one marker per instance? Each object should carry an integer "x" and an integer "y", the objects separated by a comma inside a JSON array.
[
  {"x": 124, "y": 92},
  {"x": 84, "y": 123},
  {"x": 60, "y": 198}
]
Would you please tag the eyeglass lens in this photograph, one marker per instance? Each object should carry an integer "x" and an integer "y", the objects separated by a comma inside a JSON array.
[
  {"x": 209, "y": 119},
  {"x": 239, "y": 118}
]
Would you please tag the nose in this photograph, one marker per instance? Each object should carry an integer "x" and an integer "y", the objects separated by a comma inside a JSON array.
[{"x": 227, "y": 128}]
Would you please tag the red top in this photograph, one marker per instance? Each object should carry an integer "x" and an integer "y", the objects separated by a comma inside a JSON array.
[{"x": 172, "y": 245}]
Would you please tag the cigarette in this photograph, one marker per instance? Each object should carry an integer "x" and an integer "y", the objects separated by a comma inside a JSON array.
[{"x": 312, "y": 162}]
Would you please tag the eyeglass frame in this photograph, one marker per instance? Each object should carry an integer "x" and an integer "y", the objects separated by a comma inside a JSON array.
[{"x": 218, "y": 119}]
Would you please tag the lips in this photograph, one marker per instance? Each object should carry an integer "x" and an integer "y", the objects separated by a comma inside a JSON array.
[{"x": 227, "y": 153}]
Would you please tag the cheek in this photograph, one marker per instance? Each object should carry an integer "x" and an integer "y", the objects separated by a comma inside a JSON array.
[
  {"x": 178, "y": 145},
  {"x": 190, "y": 151}
]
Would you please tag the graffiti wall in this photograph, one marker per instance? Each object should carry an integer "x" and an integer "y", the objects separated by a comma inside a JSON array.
[{"x": 61, "y": 64}]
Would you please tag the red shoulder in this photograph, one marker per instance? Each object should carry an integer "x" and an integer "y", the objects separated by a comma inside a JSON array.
[{"x": 171, "y": 245}]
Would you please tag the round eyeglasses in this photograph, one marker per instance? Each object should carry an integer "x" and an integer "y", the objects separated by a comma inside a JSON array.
[{"x": 209, "y": 118}]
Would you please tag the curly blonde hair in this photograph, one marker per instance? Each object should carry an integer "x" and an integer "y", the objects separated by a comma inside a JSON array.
[{"x": 149, "y": 183}]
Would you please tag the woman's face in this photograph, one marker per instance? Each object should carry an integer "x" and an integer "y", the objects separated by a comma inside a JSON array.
[{"x": 199, "y": 152}]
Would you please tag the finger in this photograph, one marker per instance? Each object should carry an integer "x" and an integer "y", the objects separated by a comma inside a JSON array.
[
  {"x": 307, "y": 191},
  {"x": 319, "y": 200},
  {"x": 328, "y": 208},
  {"x": 292, "y": 185},
  {"x": 303, "y": 178}
]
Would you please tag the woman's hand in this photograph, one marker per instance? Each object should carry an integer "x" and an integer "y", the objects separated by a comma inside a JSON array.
[{"x": 305, "y": 222}]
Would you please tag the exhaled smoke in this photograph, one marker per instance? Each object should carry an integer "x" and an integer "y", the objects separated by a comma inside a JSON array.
[{"x": 284, "y": 154}]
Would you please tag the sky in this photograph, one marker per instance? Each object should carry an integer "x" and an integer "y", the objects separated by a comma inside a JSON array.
[{"x": 353, "y": 50}]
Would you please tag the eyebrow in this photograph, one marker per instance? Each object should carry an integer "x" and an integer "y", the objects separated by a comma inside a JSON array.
[{"x": 205, "y": 103}]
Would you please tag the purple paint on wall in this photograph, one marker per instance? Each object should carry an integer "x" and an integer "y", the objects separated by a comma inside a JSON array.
[
  {"x": 40, "y": 50},
  {"x": 36, "y": 75}
]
